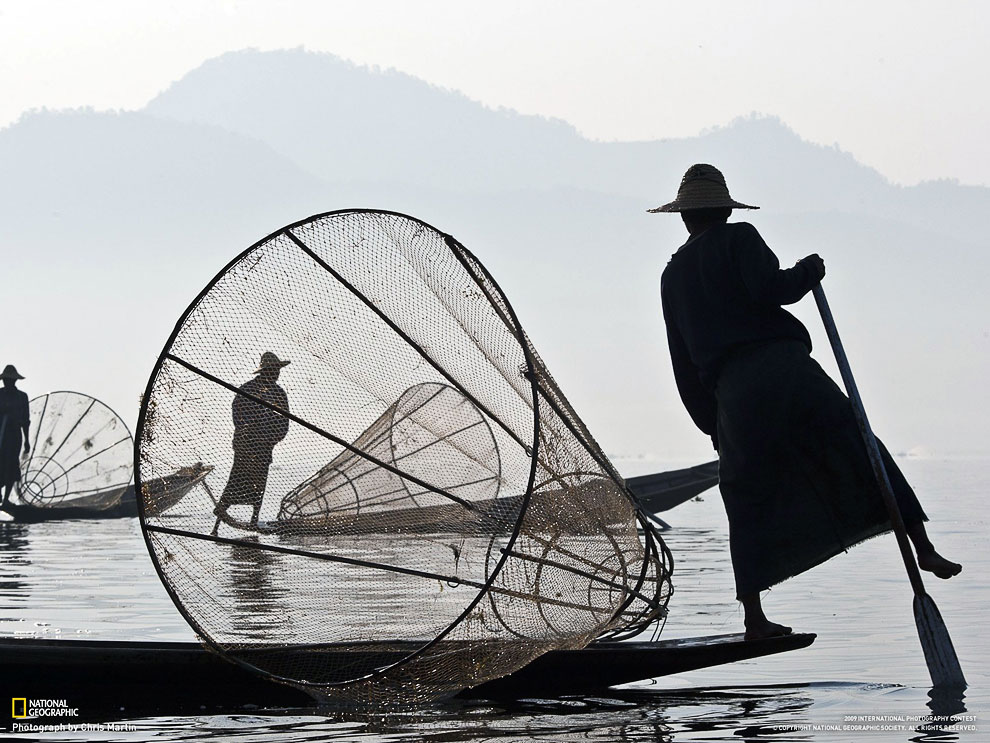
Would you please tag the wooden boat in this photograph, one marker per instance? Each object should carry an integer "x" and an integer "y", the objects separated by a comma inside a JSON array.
[
  {"x": 162, "y": 493},
  {"x": 658, "y": 492},
  {"x": 108, "y": 680},
  {"x": 121, "y": 505},
  {"x": 664, "y": 490},
  {"x": 114, "y": 504}
]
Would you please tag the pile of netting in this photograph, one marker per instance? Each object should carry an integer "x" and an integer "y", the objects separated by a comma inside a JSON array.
[
  {"x": 400, "y": 502},
  {"x": 81, "y": 454}
]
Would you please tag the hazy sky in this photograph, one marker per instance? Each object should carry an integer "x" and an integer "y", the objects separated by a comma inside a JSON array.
[{"x": 899, "y": 84}]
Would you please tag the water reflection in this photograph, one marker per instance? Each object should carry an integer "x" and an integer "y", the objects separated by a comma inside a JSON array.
[
  {"x": 13, "y": 563},
  {"x": 632, "y": 716},
  {"x": 946, "y": 706},
  {"x": 258, "y": 597},
  {"x": 97, "y": 577},
  {"x": 736, "y": 714}
]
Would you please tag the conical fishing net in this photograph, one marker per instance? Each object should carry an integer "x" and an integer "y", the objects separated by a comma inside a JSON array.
[
  {"x": 82, "y": 454},
  {"x": 403, "y": 504}
]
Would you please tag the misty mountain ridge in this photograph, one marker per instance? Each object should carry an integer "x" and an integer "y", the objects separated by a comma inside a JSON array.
[
  {"x": 340, "y": 123},
  {"x": 112, "y": 222},
  {"x": 343, "y": 122}
]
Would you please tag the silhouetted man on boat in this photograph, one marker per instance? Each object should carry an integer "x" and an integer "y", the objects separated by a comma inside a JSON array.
[
  {"x": 15, "y": 421},
  {"x": 793, "y": 471},
  {"x": 257, "y": 429}
]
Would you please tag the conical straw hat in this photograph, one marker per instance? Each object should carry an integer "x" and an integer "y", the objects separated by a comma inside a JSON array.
[{"x": 702, "y": 187}]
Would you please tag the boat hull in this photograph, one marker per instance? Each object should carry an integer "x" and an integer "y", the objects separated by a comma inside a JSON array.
[{"x": 112, "y": 680}]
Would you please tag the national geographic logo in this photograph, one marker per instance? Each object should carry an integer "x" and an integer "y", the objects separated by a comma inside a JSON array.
[
  {"x": 54, "y": 716},
  {"x": 21, "y": 707}
]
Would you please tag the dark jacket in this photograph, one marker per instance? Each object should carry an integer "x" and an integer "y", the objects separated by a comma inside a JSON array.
[
  {"x": 722, "y": 291},
  {"x": 256, "y": 425},
  {"x": 793, "y": 473}
]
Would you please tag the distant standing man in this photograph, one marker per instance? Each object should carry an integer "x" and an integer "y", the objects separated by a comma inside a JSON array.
[
  {"x": 257, "y": 429},
  {"x": 794, "y": 474},
  {"x": 15, "y": 420}
]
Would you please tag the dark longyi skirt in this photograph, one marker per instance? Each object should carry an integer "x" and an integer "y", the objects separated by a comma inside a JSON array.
[
  {"x": 248, "y": 477},
  {"x": 793, "y": 470}
]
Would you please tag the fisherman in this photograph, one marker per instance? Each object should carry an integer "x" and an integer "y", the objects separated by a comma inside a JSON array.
[
  {"x": 15, "y": 420},
  {"x": 257, "y": 429},
  {"x": 794, "y": 474}
]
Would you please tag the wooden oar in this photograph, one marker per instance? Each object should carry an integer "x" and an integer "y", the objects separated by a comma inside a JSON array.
[{"x": 943, "y": 665}]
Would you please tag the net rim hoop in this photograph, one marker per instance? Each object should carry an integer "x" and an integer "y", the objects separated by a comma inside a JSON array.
[
  {"x": 450, "y": 241},
  {"x": 37, "y": 428}
]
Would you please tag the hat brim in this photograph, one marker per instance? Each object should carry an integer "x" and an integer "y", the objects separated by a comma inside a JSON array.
[
  {"x": 11, "y": 376},
  {"x": 686, "y": 206}
]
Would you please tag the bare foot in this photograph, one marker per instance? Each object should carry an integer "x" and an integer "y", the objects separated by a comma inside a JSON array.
[
  {"x": 764, "y": 629},
  {"x": 933, "y": 562}
]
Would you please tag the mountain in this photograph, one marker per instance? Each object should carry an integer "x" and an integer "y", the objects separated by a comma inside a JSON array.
[
  {"x": 347, "y": 123},
  {"x": 110, "y": 223}
]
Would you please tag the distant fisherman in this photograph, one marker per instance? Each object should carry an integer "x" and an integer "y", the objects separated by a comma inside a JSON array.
[
  {"x": 257, "y": 429},
  {"x": 793, "y": 471},
  {"x": 15, "y": 420}
]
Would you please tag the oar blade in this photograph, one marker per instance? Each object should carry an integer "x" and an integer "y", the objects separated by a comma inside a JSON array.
[{"x": 943, "y": 665}]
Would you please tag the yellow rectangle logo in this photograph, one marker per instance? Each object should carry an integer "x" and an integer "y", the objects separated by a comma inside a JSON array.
[{"x": 18, "y": 703}]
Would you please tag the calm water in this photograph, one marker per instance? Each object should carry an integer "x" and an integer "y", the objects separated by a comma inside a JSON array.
[{"x": 94, "y": 580}]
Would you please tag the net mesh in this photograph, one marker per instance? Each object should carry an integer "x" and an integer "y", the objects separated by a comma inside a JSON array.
[
  {"x": 81, "y": 454},
  {"x": 398, "y": 501}
]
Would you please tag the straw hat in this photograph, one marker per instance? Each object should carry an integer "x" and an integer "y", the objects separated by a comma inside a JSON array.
[
  {"x": 270, "y": 361},
  {"x": 9, "y": 372},
  {"x": 702, "y": 187}
]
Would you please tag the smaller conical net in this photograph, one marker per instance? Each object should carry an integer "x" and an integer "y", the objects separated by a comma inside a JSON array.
[
  {"x": 430, "y": 422},
  {"x": 81, "y": 454},
  {"x": 399, "y": 502}
]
